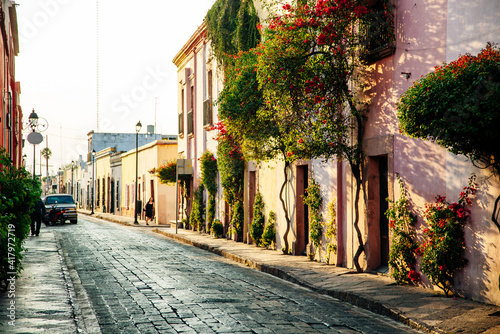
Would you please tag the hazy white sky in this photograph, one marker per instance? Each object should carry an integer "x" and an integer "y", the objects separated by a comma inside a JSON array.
[{"x": 57, "y": 67}]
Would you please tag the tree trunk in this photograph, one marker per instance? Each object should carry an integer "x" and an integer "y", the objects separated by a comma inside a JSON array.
[
  {"x": 285, "y": 208},
  {"x": 356, "y": 170}
]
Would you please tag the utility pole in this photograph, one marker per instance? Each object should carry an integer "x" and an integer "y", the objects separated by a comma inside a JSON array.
[{"x": 156, "y": 104}]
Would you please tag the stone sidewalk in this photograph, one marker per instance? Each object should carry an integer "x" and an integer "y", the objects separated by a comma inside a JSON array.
[
  {"x": 43, "y": 299},
  {"x": 417, "y": 307}
]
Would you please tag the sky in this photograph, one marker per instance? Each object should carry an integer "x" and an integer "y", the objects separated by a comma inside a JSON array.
[{"x": 57, "y": 66}]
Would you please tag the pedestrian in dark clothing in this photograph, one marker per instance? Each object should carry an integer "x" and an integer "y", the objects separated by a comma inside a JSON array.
[
  {"x": 36, "y": 217},
  {"x": 149, "y": 210}
]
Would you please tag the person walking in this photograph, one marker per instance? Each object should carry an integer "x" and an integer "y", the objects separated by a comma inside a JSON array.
[
  {"x": 149, "y": 208},
  {"x": 36, "y": 217}
]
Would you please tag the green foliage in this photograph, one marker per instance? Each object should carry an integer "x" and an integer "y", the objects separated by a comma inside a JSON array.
[
  {"x": 444, "y": 245},
  {"x": 167, "y": 173},
  {"x": 196, "y": 217},
  {"x": 269, "y": 235},
  {"x": 306, "y": 71},
  {"x": 217, "y": 228},
  {"x": 237, "y": 218},
  {"x": 208, "y": 178},
  {"x": 231, "y": 165},
  {"x": 210, "y": 213},
  {"x": 18, "y": 194},
  {"x": 231, "y": 27},
  {"x": 331, "y": 231},
  {"x": 458, "y": 107},
  {"x": 402, "y": 256},
  {"x": 209, "y": 171},
  {"x": 314, "y": 201},
  {"x": 258, "y": 221}
]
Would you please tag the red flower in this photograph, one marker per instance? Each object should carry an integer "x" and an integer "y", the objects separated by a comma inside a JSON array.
[{"x": 321, "y": 39}]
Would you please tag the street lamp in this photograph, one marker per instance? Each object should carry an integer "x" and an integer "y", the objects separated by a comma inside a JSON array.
[
  {"x": 92, "y": 199},
  {"x": 138, "y": 127},
  {"x": 33, "y": 123},
  {"x": 72, "y": 179}
]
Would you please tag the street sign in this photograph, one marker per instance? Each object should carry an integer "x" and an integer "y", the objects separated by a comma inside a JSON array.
[
  {"x": 184, "y": 166},
  {"x": 35, "y": 138}
]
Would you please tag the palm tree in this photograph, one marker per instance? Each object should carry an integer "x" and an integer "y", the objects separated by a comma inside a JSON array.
[{"x": 46, "y": 153}]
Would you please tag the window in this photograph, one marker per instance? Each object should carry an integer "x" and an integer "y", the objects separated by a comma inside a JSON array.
[
  {"x": 118, "y": 195},
  {"x": 207, "y": 104},
  {"x": 98, "y": 192},
  {"x": 181, "y": 115},
  {"x": 379, "y": 32},
  {"x": 190, "y": 121}
]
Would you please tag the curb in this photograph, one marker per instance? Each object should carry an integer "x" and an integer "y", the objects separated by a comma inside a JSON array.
[{"x": 351, "y": 298}]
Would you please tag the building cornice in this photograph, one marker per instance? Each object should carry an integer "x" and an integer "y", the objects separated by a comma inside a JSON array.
[{"x": 194, "y": 44}]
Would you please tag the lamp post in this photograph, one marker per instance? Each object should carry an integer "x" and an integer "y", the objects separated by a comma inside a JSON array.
[
  {"x": 33, "y": 120},
  {"x": 72, "y": 179},
  {"x": 92, "y": 199},
  {"x": 138, "y": 127}
]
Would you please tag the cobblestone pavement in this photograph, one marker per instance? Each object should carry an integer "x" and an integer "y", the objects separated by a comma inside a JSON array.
[{"x": 137, "y": 281}]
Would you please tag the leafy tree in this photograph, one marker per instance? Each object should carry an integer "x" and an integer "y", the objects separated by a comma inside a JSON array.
[
  {"x": 18, "y": 194},
  {"x": 309, "y": 71},
  {"x": 458, "y": 107}
]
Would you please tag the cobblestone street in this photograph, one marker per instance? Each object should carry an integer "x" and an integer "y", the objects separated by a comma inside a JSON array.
[{"x": 139, "y": 282}]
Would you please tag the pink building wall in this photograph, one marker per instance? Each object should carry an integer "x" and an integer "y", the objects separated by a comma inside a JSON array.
[{"x": 428, "y": 34}]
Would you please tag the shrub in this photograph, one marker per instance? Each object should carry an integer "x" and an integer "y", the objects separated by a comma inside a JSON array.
[
  {"x": 269, "y": 235},
  {"x": 314, "y": 201},
  {"x": 217, "y": 228},
  {"x": 331, "y": 231},
  {"x": 402, "y": 256},
  {"x": 444, "y": 245},
  {"x": 196, "y": 218},
  {"x": 258, "y": 221},
  {"x": 208, "y": 178},
  {"x": 237, "y": 217},
  {"x": 18, "y": 194}
]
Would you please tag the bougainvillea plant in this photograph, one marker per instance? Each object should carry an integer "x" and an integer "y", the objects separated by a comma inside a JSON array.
[
  {"x": 444, "y": 244},
  {"x": 167, "y": 172},
  {"x": 309, "y": 72},
  {"x": 458, "y": 106},
  {"x": 402, "y": 255},
  {"x": 231, "y": 166}
]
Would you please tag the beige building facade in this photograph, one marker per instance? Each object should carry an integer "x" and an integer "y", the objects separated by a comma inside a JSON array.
[{"x": 149, "y": 157}]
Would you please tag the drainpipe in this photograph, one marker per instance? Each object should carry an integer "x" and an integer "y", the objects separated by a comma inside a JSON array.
[
  {"x": 195, "y": 114},
  {"x": 340, "y": 214}
]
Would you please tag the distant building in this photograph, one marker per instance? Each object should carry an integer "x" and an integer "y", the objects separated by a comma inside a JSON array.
[{"x": 99, "y": 141}]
